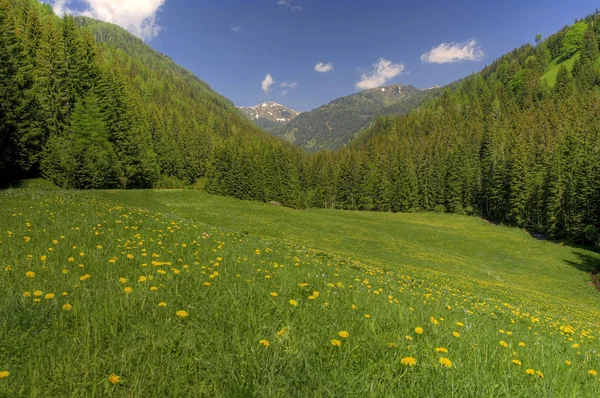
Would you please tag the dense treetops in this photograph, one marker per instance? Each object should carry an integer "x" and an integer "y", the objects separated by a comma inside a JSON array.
[{"x": 87, "y": 105}]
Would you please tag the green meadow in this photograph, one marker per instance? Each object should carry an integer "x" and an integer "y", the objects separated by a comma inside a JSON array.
[{"x": 182, "y": 293}]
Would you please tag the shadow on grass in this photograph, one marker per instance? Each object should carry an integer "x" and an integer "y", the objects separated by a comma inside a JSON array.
[{"x": 589, "y": 264}]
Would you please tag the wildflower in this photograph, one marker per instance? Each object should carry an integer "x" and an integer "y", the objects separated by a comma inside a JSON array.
[
  {"x": 367, "y": 316},
  {"x": 446, "y": 362},
  {"x": 4, "y": 374},
  {"x": 128, "y": 290},
  {"x": 67, "y": 307},
  {"x": 408, "y": 338},
  {"x": 30, "y": 274},
  {"x": 264, "y": 342},
  {"x": 456, "y": 334},
  {"x": 70, "y": 259},
  {"x": 281, "y": 333},
  {"x": 521, "y": 344},
  {"x": 575, "y": 345},
  {"x": 142, "y": 279},
  {"x": 49, "y": 296},
  {"x": 336, "y": 343},
  {"x": 441, "y": 350},
  {"x": 303, "y": 284},
  {"x": 419, "y": 330},
  {"x": 114, "y": 379},
  {"x": 293, "y": 302},
  {"x": 206, "y": 284},
  {"x": 26, "y": 239},
  {"x": 123, "y": 280},
  {"x": 84, "y": 277},
  {"x": 408, "y": 361},
  {"x": 130, "y": 256},
  {"x": 503, "y": 343},
  {"x": 344, "y": 334},
  {"x": 460, "y": 324},
  {"x": 37, "y": 293},
  {"x": 274, "y": 294},
  {"x": 516, "y": 362},
  {"x": 182, "y": 314},
  {"x": 26, "y": 294},
  {"x": 539, "y": 374},
  {"x": 162, "y": 304},
  {"x": 530, "y": 372},
  {"x": 567, "y": 362},
  {"x": 153, "y": 288},
  {"x": 311, "y": 297},
  {"x": 592, "y": 372},
  {"x": 316, "y": 294},
  {"x": 43, "y": 258}
]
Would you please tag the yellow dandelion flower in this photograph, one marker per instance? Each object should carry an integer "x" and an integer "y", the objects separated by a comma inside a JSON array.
[
  {"x": 114, "y": 379},
  {"x": 344, "y": 334},
  {"x": 304, "y": 284},
  {"x": 123, "y": 280},
  {"x": 84, "y": 277},
  {"x": 43, "y": 258},
  {"x": 408, "y": 338},
  {"x": 367, "y": 316},
  {"x": 575, "y": 345},
  {"x": 408, "y": 361},
  {"x": 293, "y": 302},
  {"x": 530, "y": 372},
  {"x": 27, "y": 239},
  {"x": 26, "y": 294},
  {"x": 128, "y": 290},
  {"x": 49, "y": 296},
  {"x": 30, "y": 274},
  {"x": 153, "y": 288},
  {"x": 182, "y": 314},
  {"x": 336, "y": 343},
  {"x": 592, "y": 372},
  {"x": 67, "y": 307},
  {"x": 142, "y": 279},
  {"x": 446, "y": 362},
  {"x": 539, "y": 374},
  {"x": 521, "y": 344},
  {"x": 38, "y": 293},
  {"x": 162, "y": 304},
  {"x": 130, "y": 256},
  {"x": 70, "y": 259},
  {"x": 441, "y": 350},
  {"x": 503, "y": 343},
  {"x": 99, "y": 247},
  {"x": 460, "y": 324},
  {"x": 316, "y": 294},
  {"x": 456, "y": 334},
  {"x": 264, "y": 342},
  {"x": 274, "y": 294},
  {"x": 281, "y": 333},
  {"x": 311, "y": 297},
  {"x": 567, "y": 362},
  {"x": 4, "y": 374},
  {"x": 516, "y": 362},
  {"x": 419, "y": 330},
  {"x": 55, "y": 242}
]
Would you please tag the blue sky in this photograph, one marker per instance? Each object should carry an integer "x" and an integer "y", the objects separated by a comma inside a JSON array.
[{"x": 234, "y": 44}]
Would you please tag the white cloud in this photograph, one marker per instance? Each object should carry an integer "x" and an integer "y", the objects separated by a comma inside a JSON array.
[
  {"x": 137, "y": 16},
  {"x": 454, "y": 52},
  {"x": 284, "y": 93},
  {"x": 236, "y": 29},
  {"x": 290, "y": 4},
  {"x": 323, "y": 68},
  {"x": 289, "y": 84},
  {"x": 267, "y": 83},
  {"x": 383, "y": 71}
]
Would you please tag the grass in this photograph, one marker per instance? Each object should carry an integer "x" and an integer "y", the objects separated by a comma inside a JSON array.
[
  {"x": 550, "y": 76},
  {"x": 281, "y": 302}
]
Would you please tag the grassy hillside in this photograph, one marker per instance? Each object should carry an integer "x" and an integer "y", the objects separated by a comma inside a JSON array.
[{"x": 105, "y": 298}]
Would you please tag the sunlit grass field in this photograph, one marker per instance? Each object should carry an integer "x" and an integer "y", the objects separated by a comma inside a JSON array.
[{"x": 180, "y": 293}]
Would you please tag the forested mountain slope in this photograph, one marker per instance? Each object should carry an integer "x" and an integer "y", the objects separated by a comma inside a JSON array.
[
  {"x": 335, "y": 124},
  {"x": 88, "y": 105}
]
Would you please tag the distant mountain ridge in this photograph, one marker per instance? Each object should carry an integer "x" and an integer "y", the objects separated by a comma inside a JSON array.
[
  {"x": 269, "y": 115},
  {"x": 335, "y": 124}
]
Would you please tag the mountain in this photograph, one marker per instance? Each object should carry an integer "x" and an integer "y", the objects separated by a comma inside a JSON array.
[
  {"x": 335, "y": 124},
  {"x": 269, "y": 115}
]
